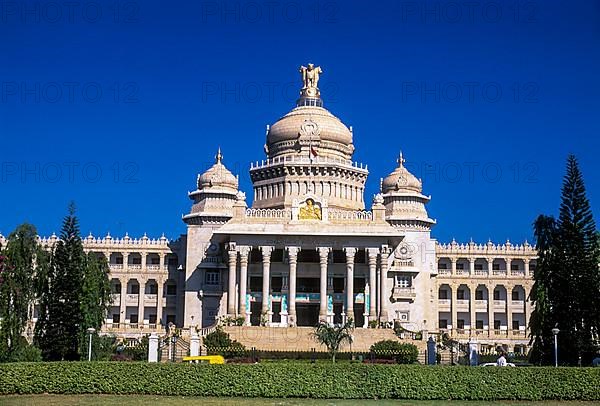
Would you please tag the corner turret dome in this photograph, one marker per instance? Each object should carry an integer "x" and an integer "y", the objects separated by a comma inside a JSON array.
[
  {"x": 401, "y": 180},
  {"x": 218, "y": 176}
]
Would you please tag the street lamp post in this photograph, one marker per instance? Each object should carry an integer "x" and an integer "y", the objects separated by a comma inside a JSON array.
[
  {"x": 555, "y": 331},
  {"x": 90, "y": 331}
]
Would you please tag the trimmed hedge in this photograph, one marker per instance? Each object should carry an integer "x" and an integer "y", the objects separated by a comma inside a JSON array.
[{"x": 302, "y": 380}]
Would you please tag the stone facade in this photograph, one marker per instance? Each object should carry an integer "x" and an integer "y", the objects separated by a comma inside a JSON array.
[{"x": 307, "y": 250}]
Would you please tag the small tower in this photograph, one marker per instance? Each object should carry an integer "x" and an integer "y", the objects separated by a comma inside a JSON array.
[
  {"x": 403, "y": 200},
  {"x": 216, "y": 193}
]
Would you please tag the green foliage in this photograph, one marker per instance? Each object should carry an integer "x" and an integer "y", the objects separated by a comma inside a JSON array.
[
  {"x": 74, "y": 295},
  {"x": 138, "y": 352},
  {"x": 403, "y": 353},
  {"x": 94, "y": 296},
  {"x": 334, "y": 336},
  {"x": 219, "y": 342},
  {"x": 19, "y": 262},
  {"x": 302, "y": 380},
  {"x": 566, "y": 292}
]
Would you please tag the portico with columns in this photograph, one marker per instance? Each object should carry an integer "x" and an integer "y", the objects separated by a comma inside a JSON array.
[{"x": 306, "y": 279}]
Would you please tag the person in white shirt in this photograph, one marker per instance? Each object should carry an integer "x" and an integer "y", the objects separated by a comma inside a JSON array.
[{"x": 501, "y": 361}]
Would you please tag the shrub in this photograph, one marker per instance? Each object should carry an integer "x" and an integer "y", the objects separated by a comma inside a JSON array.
[
  {"x": 219, "y": 342},
  {"x": 403, "y": 353},
  {"x": 302, "y": 380}
]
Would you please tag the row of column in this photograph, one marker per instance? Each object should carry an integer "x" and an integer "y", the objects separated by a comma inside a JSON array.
[
  {"x": 473, "y": 310},
  {"x": 123, "y": 304},
  {"x": 374, "y": 276},
  {"x": 144, "y": 257}
]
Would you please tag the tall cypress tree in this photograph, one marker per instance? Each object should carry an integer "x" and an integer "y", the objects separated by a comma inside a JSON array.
[
  {"x": 22, "y": 258},
  {"x": 566, "y": 292},
  {"x": 58, "y": 330},
  {"x": 577, "y": 306}
]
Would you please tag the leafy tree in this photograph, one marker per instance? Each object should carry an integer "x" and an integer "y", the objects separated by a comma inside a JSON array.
[
  {"x": 566, "y": 293},
  {"x": 95, "y": 298},
  {"x": 74, "y": 296},
  {"x": 19, "y": 262},
  {"x": 334, "y": 336}
]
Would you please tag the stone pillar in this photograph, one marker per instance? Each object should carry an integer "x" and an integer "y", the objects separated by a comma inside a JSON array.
[
  {"x": 323, "y": 257},
  {"x": 244, "y": 251},
  {"x": 526, "y": 261},
  {"x": 509, "y": 289},
  {"x": 453, "y": 305},
  {"x": 350, "y": 253},
  {"x": 472, "y": 307},
  {"x": 123, "y": 304},
  {"x": 144, "y": 255},
  {"x": 453, "y": 261},
  {"x": 508, "y": 262},
  {"x": 153, "y": 348},
  {"x": 159, "y": 306},
  {"x": 194, "y": 345},
  {"x": 141, "y": 296},
  {"x": 266, "y": 282},
  {"x": 161, "y": 260},
  {"x": 125, "y": 260},
  {"x": 293, "y": 260},
  {"x": 491, "y": 309},
  {"x": 471, "y": 266},
  {"x": 372, "y": 256},
  {"x": 384, "y": 294},
  {"x": 231, "y": 280}
]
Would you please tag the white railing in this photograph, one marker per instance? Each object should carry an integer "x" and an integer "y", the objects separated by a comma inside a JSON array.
[
  {"x": 486, "y": 250},
  {"x": 269, "y": 213},
  {"x": 350, "y": 215},
  {"x": 295, "y": 159},
  {"x": 153, "y": 267},
  {"x": 115, "y": 266},
  {"x": 444, "y": 302},
  {"x": 134, "y": 266},
  {"x": 443, "y": 271}
]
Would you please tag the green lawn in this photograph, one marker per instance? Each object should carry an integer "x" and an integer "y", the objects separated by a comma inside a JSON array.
[{"x": 94, "y": 400}]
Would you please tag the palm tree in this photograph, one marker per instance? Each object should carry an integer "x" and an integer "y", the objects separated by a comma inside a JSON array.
[{"x": 333, "y": 336}]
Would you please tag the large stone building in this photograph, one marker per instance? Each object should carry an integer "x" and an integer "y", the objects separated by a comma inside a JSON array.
[{"x": 307, "y": 250}]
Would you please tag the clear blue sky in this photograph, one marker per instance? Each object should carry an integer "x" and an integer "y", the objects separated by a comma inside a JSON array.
[{"x": 119, "y": 105}]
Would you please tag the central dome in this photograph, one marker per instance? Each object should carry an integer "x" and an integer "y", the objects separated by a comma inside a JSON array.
[
  {"x": 306, "y": 124},
  {"x": 309, "y": 127}
]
